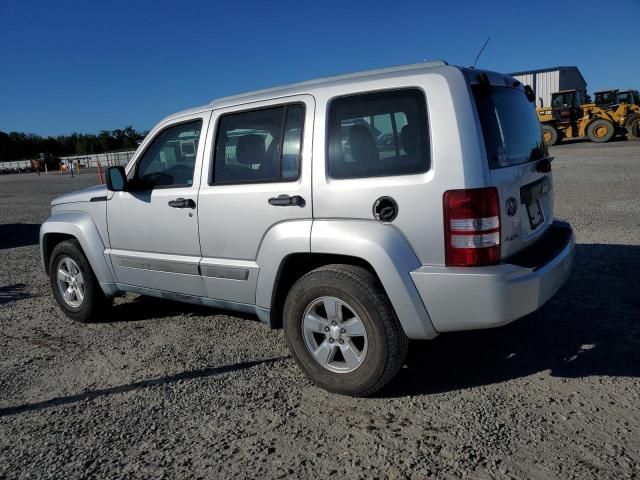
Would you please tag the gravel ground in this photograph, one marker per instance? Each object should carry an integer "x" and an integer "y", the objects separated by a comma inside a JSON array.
[{"x": 165, "y": 390}]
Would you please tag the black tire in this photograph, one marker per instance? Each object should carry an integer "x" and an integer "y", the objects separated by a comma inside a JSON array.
[
  {"x": 387, "y": 342},
  {"x": 601, "y": 131},
  {"x": 633, "y": 127},
  {"x": 94, "y": 304},
  {"x": 550, "y": 135}
]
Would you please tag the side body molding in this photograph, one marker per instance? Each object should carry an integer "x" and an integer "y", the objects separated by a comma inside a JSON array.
[
  {"x": 81, "y": 226},
  {"x": 391, "y": 256},
  {"x": 280, "y": 241}
]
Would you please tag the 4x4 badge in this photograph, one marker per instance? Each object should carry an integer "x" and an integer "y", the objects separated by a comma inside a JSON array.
[{"x": 511, "y": 206}]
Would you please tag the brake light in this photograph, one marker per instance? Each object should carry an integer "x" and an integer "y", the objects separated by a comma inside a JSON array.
[{"x": 472, "y": 227}]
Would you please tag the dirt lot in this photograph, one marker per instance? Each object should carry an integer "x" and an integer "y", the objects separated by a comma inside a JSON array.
[{"x": 171, "y": 391}]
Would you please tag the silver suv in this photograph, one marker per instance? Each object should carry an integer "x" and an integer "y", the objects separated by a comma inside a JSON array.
[{"x": 357, "y": 212}]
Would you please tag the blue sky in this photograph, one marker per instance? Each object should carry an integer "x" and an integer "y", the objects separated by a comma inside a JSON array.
[{"x": 85, "y": 66}]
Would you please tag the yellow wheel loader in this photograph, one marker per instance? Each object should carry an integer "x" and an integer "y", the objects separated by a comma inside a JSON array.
[
  {"x": 623, "y": 107},
  {"x": 569, "y": 118}
]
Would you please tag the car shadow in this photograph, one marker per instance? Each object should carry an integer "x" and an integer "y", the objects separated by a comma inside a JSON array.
[
  {"x": 132, "y": 387},
  {"x": 11, "y": 293},
  {"x": 591, "y": 327},
  {"x": 14, "y": 235}
]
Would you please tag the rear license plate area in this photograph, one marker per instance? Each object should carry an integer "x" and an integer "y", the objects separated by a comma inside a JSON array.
[
  {"x": 534, "y": 211},
  {"x": 530, "y": 195}
]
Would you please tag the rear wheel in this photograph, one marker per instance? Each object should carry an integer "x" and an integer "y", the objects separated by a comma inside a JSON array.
[
  {"x": 342, "y": 331},
  {"x": 74, "y": 285},
  {"x": 549, "y": 134},
  {"x": 633, "y": 127},
  {"x": 600, "y": 131}
]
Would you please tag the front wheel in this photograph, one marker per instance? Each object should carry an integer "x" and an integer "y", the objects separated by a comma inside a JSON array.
[
  {"x": 342, "y": 330},
  {"x": 74, "y": 285}
]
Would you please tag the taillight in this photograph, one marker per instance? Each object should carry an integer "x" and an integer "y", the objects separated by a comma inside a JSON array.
[{"x": 472, "y": 227}]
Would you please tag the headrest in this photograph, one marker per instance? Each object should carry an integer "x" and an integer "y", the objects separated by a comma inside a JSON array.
[
  {"x": 362, "y": 144},
  {"x": 250, "y": 149},
  {"x": 409, "y": 138}
]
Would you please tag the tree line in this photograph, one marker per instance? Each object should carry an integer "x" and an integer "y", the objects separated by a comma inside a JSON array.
[{"x": 26, "y": 146}]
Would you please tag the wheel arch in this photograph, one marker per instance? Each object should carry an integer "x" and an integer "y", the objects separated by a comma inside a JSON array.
[
  {"x": 48, "y": 243},
  {"x": 378, "y": 247},
  {"x": 294, "y": 266},
  {"x": 77, "y": 226}
]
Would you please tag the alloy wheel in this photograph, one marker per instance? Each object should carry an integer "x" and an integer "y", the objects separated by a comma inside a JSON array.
[{"x": 334, "y": 335}]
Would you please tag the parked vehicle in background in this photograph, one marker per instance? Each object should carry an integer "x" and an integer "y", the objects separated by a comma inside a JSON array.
[
  {"x": 623, "y": 107},
  {"x": 357, "y": 212},
  {"x": 608, "y": 98},
  {"x": 570, "y": 117},
  {"x": 629, "y": 96}
]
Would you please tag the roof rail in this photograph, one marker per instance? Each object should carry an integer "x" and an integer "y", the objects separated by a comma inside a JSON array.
[{"x": 379, "y": 71}]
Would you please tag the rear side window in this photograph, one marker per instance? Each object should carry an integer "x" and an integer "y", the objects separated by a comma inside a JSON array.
[
  {"x": 378, "y": 134},
  {"x": 510, "y": 126},
  {"x": 259, "y": 145}
]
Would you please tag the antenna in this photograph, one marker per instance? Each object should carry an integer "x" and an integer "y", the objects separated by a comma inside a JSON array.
[{"x": 480, "y": 52}]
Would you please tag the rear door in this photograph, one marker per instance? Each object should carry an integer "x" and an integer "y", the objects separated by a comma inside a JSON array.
[
  {"x": 257, "y": 174},
  {"x": 516, "y": 154}
]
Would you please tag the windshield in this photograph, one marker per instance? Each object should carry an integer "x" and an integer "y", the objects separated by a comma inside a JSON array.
[
  {"x": 606, "y": 98},
  {"x": 510, "y": 126},
  {"x": 625, "y": 97}
]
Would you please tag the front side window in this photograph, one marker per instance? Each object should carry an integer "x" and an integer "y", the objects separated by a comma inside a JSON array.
[
  {"x": 170, "y": 159},
  {"x": 378, "y": 134},
  {"x": 259, "y": 145}
]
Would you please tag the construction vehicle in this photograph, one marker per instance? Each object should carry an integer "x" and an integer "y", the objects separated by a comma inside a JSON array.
[
  {"x": 568, "y": 117},
  {"x": 632, "y": 97},
  {"x": 607, "y": 98},
  {"x": 612, "y": 112},
  {"x": 623, "y": 106}
]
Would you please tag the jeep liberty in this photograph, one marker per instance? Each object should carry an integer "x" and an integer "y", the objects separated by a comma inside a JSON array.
[{"x": 357, "y": 212}]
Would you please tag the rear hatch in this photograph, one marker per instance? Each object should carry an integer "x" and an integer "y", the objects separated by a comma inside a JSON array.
[{"x": 519, "y": 163}]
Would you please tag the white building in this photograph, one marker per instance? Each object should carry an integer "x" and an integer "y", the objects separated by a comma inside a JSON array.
[{"x": 546, "y": 81}]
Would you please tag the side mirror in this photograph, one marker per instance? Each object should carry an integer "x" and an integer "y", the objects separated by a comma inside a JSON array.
[{"x": 116, "y": 179}]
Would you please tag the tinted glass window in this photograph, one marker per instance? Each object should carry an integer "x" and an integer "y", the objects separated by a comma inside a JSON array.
[
  {"x": 378, "y": 134},
  {"x": 510, "y": 126},
  {"x": 259, "y": 145},
  {"x": 625, "y": 97},
  {"x": 565, "y": 100},
  {"x": 606, "y": 98},
  {"x": 292, "y": 143},
  {"x": 171, "y": 157}
]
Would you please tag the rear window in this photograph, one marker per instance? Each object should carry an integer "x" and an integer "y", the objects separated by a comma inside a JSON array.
[{"x": 510, "y": 126}]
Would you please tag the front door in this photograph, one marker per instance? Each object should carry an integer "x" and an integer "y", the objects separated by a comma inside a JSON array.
[
  {"x": 153, "y": 227},
  {"x": 256, "y": 177}
]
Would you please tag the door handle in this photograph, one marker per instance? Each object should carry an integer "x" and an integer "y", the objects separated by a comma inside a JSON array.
[
  {"x": 287, "y": 201},
  {"x": 182, "y": 203}
]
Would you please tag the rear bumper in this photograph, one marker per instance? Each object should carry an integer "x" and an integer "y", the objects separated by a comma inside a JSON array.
[{"x": 470, "y": 298}]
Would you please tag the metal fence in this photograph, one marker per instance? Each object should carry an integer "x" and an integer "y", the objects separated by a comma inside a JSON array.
[
  {"x": 105, "y": 159},
  {"x": 84, "y": 161},
  {"x": 16, "y": 165}
]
